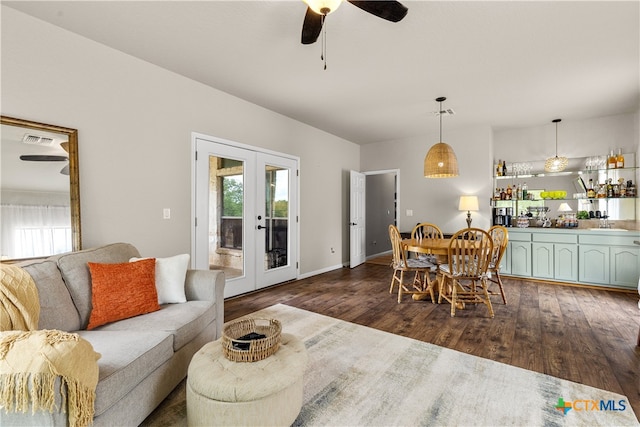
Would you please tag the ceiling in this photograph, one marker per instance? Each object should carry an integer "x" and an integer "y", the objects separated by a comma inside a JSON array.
[
  {"x": 27, "y": 175},
  {"x": 506, "y": 64}
]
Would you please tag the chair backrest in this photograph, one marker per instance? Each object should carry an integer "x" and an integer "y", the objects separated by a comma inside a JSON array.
[
  {"x": 500, "y": 236},
  {"x": 399, "y": 255},
  {"x": 470, "y": 251},
  {"x": 426, "y": 230}
]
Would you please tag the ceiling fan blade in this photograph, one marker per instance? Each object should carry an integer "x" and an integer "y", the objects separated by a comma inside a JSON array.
[
  {"x": 390, "y": 10},
  {"x": 42, "y": 158},
  {"x": 311, "y": 27}
]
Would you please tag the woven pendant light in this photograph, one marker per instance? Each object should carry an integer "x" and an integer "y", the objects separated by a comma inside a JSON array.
[
  {"x": 556, "y": 164},
  {"x": 441, "y": 160}
]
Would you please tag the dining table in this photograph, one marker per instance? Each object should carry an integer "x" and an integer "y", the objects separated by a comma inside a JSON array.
[{"x": 432, "y": 246}]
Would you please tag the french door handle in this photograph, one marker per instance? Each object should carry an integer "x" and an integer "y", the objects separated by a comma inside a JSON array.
[
  {"x": 353, "y": 223},
  {"x": 260, "y": 227}
]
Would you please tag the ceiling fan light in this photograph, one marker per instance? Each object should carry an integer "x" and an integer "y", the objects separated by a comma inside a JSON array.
[
  {"x": 323, "y": 7},
  {"x": 440, "y": 162}
]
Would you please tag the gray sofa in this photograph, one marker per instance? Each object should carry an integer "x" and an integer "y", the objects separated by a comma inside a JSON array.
[{"x": 144, "y": 357}]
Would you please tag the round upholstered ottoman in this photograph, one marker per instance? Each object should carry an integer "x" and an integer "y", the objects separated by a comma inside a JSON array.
[{"x": 266, "y": 392}]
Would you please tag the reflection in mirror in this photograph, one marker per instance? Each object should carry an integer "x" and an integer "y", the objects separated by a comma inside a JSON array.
[{"x": 39, "y": 190}]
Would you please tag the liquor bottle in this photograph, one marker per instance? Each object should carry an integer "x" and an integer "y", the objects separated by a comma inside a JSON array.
[
  {"x": 631, "y": 189},
  {"x": 525, "y": 192},
  {"x": 609, "y": 188},
  {"x": 620, "y": 159},
  {"x": 518, "y": 192},
  {"x": 509, "y": 192},
  {"x": 504, "y": 168},
  {"x": 591, "y": 192},
  {"x": 499, "y": 168},
  {"x": 612, "y": 161}
]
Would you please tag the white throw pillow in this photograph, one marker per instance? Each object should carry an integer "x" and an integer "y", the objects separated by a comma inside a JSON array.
[{"x": 170, "y": 276}]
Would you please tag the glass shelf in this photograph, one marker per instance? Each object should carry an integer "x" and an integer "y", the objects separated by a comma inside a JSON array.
[
  {"x": 564, "y": 173},
  {"x": 563, "y": 200}
]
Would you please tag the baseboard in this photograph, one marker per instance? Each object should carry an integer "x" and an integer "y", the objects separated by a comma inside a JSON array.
[{"x": 324, "y": 270}]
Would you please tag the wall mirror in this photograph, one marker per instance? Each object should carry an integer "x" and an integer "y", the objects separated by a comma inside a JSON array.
[{"x": 39, "y": 190}]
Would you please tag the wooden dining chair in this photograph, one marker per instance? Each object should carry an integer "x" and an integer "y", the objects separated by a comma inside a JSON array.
[
  {"x": 500, "y": 236},
  {"x": 427, "y": 230},
  {"x": 463, "y": 279},
  {"x": 402, "y": 264}
]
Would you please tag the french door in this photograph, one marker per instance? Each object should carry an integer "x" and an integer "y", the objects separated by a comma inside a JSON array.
[{"x": 245, "y": 204}]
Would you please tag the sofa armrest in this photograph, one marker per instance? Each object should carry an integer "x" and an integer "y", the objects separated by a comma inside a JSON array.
[{"x": 207, "y": 285}]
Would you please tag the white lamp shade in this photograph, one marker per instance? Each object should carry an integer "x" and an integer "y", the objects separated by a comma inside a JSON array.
[
  {"x": 564, "y": 207},
  {"x": 468, "y": 203}
]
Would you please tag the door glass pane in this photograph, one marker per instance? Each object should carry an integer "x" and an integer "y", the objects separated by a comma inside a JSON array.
[
  {"x": 277, "y": 217},
  {"x": 226, "y": 216}
]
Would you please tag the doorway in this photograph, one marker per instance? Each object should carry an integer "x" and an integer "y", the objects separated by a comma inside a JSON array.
[{"x": 246, "y": 214}]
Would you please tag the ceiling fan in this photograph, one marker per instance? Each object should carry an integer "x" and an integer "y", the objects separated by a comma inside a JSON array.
[
  {"x": 49, "y": 157},
  {"x": 317, "y": 11}
]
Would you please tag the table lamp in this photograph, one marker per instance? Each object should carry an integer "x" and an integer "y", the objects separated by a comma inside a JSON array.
[
  {"x": 468, "y": 203},
  {"x": 564, "y": 207}
]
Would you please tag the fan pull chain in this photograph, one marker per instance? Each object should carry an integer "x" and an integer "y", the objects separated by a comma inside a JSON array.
[{"x": 323, "y": 54}]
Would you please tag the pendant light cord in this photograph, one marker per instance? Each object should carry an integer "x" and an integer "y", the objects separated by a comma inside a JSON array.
[
  {"x": 440, "y": 113},
  {"x": 556, "y": 139}
]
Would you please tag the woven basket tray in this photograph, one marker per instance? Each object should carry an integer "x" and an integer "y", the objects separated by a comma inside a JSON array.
[{"x": 248, "y": 350}]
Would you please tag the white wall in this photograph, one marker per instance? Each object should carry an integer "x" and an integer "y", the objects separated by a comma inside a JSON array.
[
  {"x": 436, "y": 200},
  {"x": 134, "y": 124},
  {"x": 581, "y": 138}
]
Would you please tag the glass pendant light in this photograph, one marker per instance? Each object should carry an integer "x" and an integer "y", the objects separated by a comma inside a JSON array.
[
  {"x": 556, "y": 164},
  {"x": 441, "y": 160}
]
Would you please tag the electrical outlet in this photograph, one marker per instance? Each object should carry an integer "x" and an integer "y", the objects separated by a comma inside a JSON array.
[{"x": 409, "y": 212}]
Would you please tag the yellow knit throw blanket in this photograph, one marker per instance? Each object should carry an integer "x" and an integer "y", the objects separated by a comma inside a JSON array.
[{"x": 31, "y": 360}]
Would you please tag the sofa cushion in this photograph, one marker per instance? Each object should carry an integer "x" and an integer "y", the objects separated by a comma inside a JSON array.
[
  {"x": 184, "y": 321},
  {"x": 120, "y": 291},
  {"x": 75, "y": 272},
  {"x": 56, "y": 307},
  {"x": 128, "y": 357},
  {"x": 170, "y": 276}
]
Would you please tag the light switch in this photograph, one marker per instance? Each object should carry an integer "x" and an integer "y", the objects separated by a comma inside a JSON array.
[
  {"x": 409, "y": 212},
  {"x": 166, "y": 213}
]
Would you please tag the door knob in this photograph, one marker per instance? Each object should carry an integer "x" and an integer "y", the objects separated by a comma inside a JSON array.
[{"x": 352, "y": 223}]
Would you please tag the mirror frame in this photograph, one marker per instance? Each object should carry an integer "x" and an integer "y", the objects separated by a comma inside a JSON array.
[{"x": 74, "y": 176}]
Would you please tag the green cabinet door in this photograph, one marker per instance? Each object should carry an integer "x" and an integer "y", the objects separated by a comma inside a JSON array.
[
  {"x": 625, "y": 266},
  {"x": 505, "y": 263},
  {"x": 542, "y": 260},
  {"x": 520, "y": 258},
  {"x": 565, "y": 262},
  {"x": 593, "y": 264}
]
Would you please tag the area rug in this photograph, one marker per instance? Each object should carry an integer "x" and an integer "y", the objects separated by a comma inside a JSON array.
[{"x": 359, "y": 376}]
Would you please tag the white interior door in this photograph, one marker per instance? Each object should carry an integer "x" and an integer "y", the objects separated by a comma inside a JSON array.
[
  {"x": 246, "y": 210},
  {"x": 357, "y": 242}
]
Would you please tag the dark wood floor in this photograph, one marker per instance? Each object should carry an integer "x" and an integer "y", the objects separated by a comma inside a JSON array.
[{"x": 579, "y": 334}]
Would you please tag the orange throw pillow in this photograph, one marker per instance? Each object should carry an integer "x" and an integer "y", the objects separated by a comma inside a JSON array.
[{"x": 120, "y": 291}]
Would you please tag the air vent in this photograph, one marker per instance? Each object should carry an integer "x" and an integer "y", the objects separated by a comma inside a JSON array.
[
  {"x": 445, "y": 112},
  {"x": 37, "y": 140}
]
